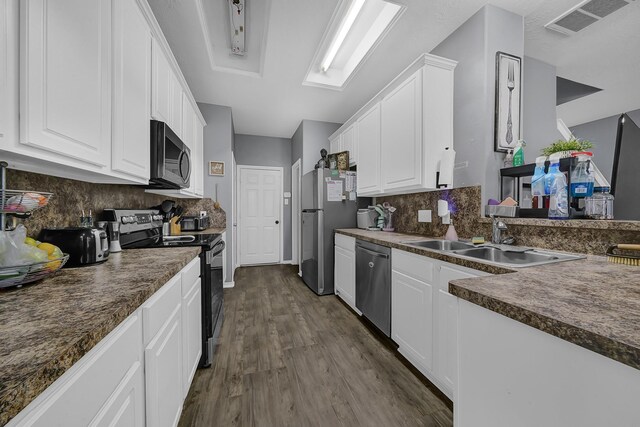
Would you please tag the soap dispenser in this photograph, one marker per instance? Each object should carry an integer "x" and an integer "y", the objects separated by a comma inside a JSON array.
[{"x": 451, "y": 234}]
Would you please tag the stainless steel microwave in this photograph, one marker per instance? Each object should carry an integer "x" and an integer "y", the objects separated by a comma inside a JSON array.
[{"x": 170, "y": 158}]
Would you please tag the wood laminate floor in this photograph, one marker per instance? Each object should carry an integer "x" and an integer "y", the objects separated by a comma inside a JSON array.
[{"x": 287, "y": 357}]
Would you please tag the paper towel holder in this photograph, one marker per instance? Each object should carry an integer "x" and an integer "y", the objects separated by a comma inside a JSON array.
[{"x": 439, "y": 172}]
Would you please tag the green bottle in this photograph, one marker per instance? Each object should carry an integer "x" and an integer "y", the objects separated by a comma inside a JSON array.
[{"x": 518, "y": 154}]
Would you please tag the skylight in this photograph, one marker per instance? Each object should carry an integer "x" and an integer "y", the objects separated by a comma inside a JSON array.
[{"x": 356, "y": 27}]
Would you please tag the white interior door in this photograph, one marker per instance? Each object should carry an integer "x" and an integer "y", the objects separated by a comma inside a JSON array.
[{"x": 260, "y": 215}]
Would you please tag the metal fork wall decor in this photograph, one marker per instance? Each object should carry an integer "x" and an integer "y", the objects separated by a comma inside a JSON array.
[{"x": 508, "y": 101}]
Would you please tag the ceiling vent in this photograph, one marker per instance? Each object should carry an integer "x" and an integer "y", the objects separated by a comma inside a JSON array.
[{"x": 585, "y": 14}]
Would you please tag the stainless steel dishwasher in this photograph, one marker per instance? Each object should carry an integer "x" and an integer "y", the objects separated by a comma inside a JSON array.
[{"x": 373, "y": 284}]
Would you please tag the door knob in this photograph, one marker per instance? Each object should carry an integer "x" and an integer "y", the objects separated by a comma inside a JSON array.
[{"x": 277, "y": 222}]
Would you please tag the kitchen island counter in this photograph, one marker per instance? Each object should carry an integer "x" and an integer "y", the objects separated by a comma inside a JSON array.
[{"x": 46, "y": 327}]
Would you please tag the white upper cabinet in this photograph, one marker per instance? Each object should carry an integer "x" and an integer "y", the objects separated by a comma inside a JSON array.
[
  {"x": 67, "y": 78},
  {"x": 414, "y": 127},
  {"x": 348, "y": 143},
  {"x": 91, "y": 75},
  {"x": 334, "y": 144},
  {"x": 402, "y": 136},
  {"x": 163, "y": 83},
  {"x": 132, "y": 90},
  {"x": 368, "y": 142},
  {"x": 9, "y": 90},
  {"x": 199, "y": 158}
]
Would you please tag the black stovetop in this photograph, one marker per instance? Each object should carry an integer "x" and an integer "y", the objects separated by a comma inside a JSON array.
[{"x": 206, "y": 241}]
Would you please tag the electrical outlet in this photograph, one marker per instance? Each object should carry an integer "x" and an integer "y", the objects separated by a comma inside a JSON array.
[{"x": 424, "y": 216}]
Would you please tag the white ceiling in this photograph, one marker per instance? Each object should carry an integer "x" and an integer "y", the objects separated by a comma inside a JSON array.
[
  {"x": 606, "y": 55},
  {"x": 270, "y": 99}
]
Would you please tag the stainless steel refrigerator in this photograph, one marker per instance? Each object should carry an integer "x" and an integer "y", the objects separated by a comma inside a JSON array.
[{"x": 322, "y": 213}]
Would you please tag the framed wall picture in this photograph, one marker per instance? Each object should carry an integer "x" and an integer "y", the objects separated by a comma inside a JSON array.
[
  {"x": 508, "y": 101},
  {"x": 339, "y": 161},
  {"x": 216, "y": 168}
]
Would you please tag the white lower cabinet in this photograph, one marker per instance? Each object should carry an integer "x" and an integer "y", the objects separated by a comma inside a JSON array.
[
  {"x": 424, "y": 315},
  {"x": 139, "y": 374},
  {"x": 105, "y": 387},
  {"x": 412, "y": 308},
  {"x": 162, "y": 315},
  {"x": 345, "y": 269},
  {"x": 191, "y": 322}
]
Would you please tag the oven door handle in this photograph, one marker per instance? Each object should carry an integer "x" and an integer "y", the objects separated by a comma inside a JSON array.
[{"x": 216, "y": 251}]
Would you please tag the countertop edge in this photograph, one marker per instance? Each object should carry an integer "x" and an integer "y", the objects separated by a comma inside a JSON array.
[
  {"x": 573, "y": 334},
  {"x": 28, "y": 390}
]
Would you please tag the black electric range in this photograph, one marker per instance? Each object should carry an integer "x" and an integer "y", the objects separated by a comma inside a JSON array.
[{"x": 143, "y": 229}]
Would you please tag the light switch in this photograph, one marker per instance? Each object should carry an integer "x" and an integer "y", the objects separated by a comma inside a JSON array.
[
  {"x": 424, "y": 216},
  {"x": 287, "y": 194},
  {"x": 286, "y": 201}
]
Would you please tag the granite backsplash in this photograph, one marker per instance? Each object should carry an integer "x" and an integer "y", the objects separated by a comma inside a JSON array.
[
  {"x": 590, "y": 237},
  {"x": 70, "y": 197}
]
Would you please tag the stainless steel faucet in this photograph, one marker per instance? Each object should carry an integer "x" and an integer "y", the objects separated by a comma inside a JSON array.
[{"x": 498, "y": 228}]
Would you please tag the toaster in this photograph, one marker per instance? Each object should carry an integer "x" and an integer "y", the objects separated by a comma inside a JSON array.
[
  {"x": 85, "y": 246},
  {"x": 194, "y": 223}
]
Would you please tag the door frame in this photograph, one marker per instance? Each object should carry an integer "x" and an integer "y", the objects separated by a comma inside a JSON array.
[
  {"x": 239, "y": 169},
  {"x": 296, "y": 220}
]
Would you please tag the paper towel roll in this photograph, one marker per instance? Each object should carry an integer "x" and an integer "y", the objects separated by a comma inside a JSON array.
[{"x": 446, "y": 167}]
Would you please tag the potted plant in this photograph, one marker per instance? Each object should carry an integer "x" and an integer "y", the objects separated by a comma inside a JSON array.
[{"x": 565, "y": 148}]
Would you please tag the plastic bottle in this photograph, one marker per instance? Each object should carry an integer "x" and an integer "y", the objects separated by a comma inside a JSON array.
[
  {"x": 582, "y": 175},
  {"x": 538, "y": 183},
  {"x": 518, "y": 154},
  {"x": 559, "y": 200}
]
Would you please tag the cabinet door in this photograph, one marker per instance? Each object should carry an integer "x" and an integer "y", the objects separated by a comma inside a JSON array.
[
  {"x": 347, "y": 143},
  {"x": 177, "y": 105},
  {"x": 163, "y": 82},
  {"x": 132, "y": 90},
  {"x": 188, "y": 137},
  {"x": 125, "y": 408},
  {"x": 345, "y": 275},
  {"x": 412, "y": 319},
  {"x": 368, "y": 143},
  {"x": 447, "y": 328},
  {"x": 192, "y": 334},
  {"x": 66, "y": 98},
  {"x": 108, "y": 376},
  {"x": 402, "y": 135},
  {"x": 198, "y": 159},
  {"x": 8, "y": 72},
  {"x": 163, "y": 373},
  {"x": 334, "y": 145}
]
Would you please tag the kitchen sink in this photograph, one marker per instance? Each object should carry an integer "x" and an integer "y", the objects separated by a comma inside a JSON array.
[
  {"x": 510, "y": 256},
  {"x": 516, "y": 258},
  {"x": 440, "y": 245}
]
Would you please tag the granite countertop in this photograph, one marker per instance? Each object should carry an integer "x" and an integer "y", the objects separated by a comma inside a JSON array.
[
  {"x": 48, "y": 326},
  {"x": 570, "y": 223},
  {"x": 589, "y": 302}
]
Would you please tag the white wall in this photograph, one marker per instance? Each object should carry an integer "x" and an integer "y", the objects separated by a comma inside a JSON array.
[
  {"x": 218, "y": 145},
  {"x": 474, "y": 45}
]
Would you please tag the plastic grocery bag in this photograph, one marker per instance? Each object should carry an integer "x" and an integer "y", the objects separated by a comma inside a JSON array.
[{"x": 15, "y": 252}]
